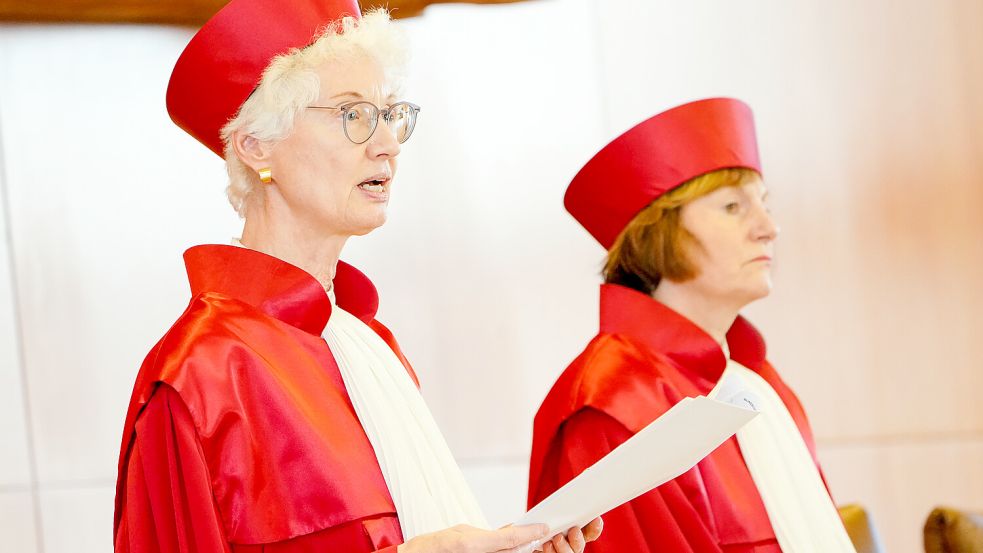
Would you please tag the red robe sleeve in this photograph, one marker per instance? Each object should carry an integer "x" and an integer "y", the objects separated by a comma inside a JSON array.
[
  {"x": 659, "y": 521},
  {"x": 168, "y": 505}
]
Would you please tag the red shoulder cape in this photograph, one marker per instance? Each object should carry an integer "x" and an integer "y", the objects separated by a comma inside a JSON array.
[
  {"x": 285, "y": 451},
  {"x": 645, "y": 359}
]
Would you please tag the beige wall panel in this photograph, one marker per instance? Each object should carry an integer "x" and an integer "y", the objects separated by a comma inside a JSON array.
[
  {"x": 881, "y": 261},
  {"x": 499, "y": 485},
  {"x": 14, "y": 458},
  {"x": 105, "y": 193},
  {"x": 79, "y": 520},
  {"x": 900, "y": 482},
  {"x": 17, "y": 525},
  {"x": 868, "y": 117}
]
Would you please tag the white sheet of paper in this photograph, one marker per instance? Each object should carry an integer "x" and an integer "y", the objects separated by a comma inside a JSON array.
[
  {"x": 731, "y": 388},
  {"x": 663, "y": 450}
]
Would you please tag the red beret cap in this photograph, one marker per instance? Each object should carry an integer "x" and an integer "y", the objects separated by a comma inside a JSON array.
[
  {"x": 656, "y": 156},
  {"x": 225, "y": 60}
]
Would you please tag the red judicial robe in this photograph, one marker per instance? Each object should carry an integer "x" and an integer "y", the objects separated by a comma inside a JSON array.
[
  {"x": 644, "y": 360},
  {"x": 240, "y": 435}
]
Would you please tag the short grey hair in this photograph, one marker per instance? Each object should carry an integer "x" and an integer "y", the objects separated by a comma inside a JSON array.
[{"x": 290, "y": 84}]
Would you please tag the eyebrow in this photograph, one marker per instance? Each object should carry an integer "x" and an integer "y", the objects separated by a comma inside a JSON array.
[
  {"x": 763, "y": 196},
  {"x": 352, "y": 94},
  {"x": 358, "y": 96}
]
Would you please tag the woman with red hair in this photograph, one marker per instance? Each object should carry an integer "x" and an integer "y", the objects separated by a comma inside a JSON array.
[{"x": 679, "y": 204}]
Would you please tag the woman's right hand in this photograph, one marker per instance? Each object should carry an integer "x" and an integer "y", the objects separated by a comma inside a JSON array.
[{"x": 468, "y": 539}]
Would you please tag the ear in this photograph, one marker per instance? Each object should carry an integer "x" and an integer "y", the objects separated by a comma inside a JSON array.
[{"x": 254, "y": 153}]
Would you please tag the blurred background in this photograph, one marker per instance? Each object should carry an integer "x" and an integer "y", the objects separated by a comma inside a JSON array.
[{"x": 870, "y": 121}]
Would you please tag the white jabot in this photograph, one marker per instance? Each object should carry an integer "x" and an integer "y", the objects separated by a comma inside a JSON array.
[
  {"x": 798, "y": 504},
  {"x": 424, "y": 480}
]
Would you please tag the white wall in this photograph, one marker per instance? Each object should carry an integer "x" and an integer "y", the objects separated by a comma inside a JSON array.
[
  {"x": 17, "y": 490},
  {"x": 870, "y": 131}
]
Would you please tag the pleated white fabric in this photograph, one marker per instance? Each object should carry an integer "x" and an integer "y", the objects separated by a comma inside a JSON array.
[
  {"x": 798, "y": 504},
  {"x": 424, "y": 480}
]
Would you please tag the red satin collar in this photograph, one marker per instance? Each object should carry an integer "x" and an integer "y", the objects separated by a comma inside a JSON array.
[
  {"x": 278, "y": 288},
  {"x": 636, "y": 315}
]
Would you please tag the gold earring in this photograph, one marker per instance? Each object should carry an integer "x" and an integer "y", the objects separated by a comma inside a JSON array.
[{"x": 266, "y": 175}]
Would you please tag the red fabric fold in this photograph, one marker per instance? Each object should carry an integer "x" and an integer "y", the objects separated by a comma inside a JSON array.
[
  {"x": 240, "y": 435},
  {"x": 645, "y": 359},
  {"x": 170, "y": 509}
]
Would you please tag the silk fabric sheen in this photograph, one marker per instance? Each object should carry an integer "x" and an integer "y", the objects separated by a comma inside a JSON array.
[
  {"x": 792, "y": 490},
  {"x": 285, "y": 453},
  {"x": 645, "y": 359},
  {"x": 425, "y": 482}
]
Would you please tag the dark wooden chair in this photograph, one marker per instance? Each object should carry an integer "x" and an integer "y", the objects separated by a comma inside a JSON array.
[{"x": 953, "y": 531}]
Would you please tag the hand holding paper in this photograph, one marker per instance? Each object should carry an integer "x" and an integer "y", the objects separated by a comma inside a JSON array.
[{"x": 663, "y": 450}]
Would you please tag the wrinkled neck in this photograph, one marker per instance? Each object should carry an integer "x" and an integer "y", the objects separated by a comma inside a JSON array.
[
  {"x": 275, "y": 232},
  {"x": 713, "y": 315}
]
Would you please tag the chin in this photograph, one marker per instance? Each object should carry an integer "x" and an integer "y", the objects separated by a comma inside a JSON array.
[
  {"x": 760, "y": 291},
  {"x": 366, "y": 226}
]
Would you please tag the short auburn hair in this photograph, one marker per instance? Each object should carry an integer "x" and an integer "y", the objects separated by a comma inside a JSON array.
[{"x": 654, "y": 244}]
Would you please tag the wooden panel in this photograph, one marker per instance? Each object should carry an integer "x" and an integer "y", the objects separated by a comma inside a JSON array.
[
  {"x": 183, "y": 12},
  {"x": 180, "y": 12}
]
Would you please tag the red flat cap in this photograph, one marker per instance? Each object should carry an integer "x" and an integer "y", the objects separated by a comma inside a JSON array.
[
  {"x": 656, "y": 156},
  {"x": 225, "y": 60}
]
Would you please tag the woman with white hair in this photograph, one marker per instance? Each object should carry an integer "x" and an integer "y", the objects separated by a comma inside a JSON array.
[{"x": 277, "y": 414}]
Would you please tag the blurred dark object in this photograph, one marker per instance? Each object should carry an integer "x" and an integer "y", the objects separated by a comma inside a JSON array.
[
  {"x": 953, "y": 531},
  {"x": 861, "y": 529},
  {"x": 174, "y": 12}
]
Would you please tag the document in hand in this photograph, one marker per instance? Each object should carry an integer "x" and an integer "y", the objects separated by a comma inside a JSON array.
[{"x": 666, "y": 448}]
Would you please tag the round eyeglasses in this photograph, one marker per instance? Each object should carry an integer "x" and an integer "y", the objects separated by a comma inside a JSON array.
[{"x": 361, "y": 119}]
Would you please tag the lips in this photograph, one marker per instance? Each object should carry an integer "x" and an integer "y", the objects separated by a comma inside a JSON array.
[
  {"x": 762, "y": 259},
  {"x": 376, "y": 183}
]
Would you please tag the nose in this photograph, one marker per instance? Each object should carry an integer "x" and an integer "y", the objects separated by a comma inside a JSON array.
[
  {"x": 765, "y": 229},
  {"x": 382, "y": 144}
]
